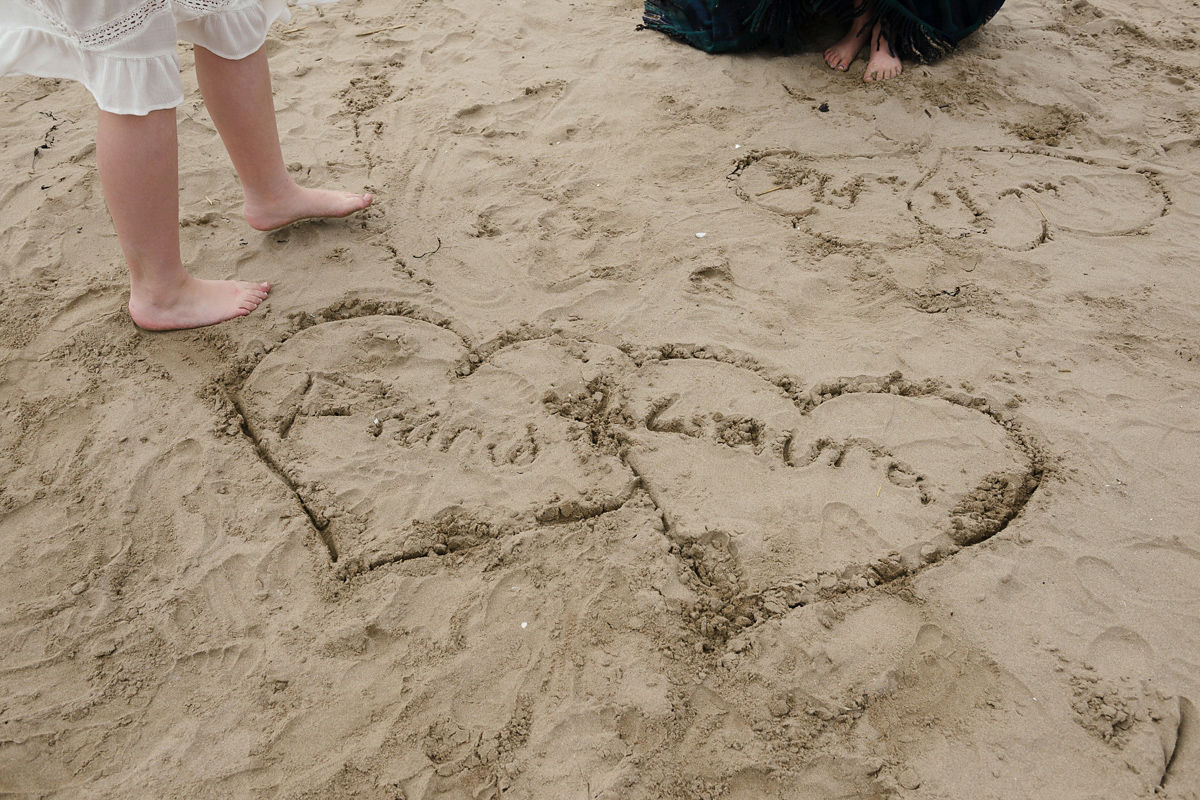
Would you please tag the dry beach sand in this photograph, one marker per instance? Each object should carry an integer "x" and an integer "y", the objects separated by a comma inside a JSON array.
[{"x": 518, "y": 486}]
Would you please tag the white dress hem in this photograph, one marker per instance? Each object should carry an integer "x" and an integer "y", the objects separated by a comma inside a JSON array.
[{"x": 136, "y": 84}]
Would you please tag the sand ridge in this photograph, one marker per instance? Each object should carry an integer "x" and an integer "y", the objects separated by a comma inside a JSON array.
[{"x": 518, "y": 486}]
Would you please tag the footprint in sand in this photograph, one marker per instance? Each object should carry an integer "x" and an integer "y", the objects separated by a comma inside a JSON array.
[
  {"x": 513, "y": 117},
  {"x": 1012, "y": 199},
  {"x": 402, "y": 449},
  {"x": 1137, "y": 578}
]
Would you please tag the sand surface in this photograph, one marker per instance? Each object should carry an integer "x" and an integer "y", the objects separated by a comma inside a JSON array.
[{"x": 672, "y": 426}]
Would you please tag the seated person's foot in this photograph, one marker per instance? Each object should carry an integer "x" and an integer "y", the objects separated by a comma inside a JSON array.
[
  {"x": 842, "y": 54},
  {"x": 195, "y": 303},
  {"x": 883, "y": 64},
  {"x": 302, "y": 203}
]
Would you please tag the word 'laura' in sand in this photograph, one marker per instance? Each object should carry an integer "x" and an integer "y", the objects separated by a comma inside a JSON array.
[
  {"x": 124, "y": 52},
  {"x": 919, "y": 30}
]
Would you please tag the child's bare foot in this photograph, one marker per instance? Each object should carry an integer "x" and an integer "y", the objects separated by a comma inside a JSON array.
[
  {"x": 842, "y": 54},
  {"x": 195, "y": 303},
  {"x": 882, "y": 65},
  {"x": 301, "y": 203}
]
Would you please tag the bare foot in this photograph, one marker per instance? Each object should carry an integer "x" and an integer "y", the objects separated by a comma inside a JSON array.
[
  {"x": 842, "y": 54},
  {"x": 301, "y": 203},
  {"x": 195, "y": 303},
  {"x": 882, "y": 65}
]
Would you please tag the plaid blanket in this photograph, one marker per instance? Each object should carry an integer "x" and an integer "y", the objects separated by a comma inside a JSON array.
[{"x": 920, "y": 30}]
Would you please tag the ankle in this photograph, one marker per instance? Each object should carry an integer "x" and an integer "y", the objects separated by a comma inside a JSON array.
[
  {"x": 272, "y": 195},
  {"x": 159, "y": 287}
]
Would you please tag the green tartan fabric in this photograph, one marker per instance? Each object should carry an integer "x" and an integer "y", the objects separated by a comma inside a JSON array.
[
  {"x": 714, "y": 26},
  {"x": 921, "y": 30}
]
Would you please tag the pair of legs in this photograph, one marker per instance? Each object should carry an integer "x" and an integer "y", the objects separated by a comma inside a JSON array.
[
  {"x": 881, "y": 64},
  {"x": 138, "y": 158}
]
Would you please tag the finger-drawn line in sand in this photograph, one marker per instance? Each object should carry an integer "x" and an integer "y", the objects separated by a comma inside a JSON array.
[
  {"x": 402, "y": 442},
  {"x": 1012, "y": 198}
]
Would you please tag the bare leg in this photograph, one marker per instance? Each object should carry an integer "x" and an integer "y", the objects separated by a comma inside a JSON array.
[
  {"x": 882, "y": 65},
  {"x": 238, "y": 95},
  {"x": 842, "y": 54},
  {"x": 138, "y": 159}
]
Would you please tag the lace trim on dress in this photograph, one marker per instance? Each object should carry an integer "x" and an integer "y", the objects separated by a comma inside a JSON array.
[
  {"x": 104, "y": 35},
  {"x": 212, "y": 6}
]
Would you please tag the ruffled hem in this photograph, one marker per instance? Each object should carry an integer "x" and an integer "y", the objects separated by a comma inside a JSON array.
[
  {"x": 236, "y": 33},
  {"x": 139, "y": 85},
  {"x": 120, "y": 85}
]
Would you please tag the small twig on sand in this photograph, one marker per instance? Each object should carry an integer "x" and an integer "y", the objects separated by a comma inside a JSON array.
[
  {"x": 293, "y": 30},
  {"x": 381, "y": 30},
  {"x": 434, "y": 250},
  {"x": 768, "y": 191},
  {"x": 1035, "y": 202}
]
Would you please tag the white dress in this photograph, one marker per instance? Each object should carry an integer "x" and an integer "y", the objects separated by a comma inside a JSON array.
[{"x": 124, "y": 51}]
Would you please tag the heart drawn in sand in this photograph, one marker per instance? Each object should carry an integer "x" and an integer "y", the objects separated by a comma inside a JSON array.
[
  {"x": 403, "y": 443},
  {"x": 1011, "y": 198}
]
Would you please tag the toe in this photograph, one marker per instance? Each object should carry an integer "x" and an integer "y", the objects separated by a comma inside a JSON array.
[{"x": 356, "y": 202}]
